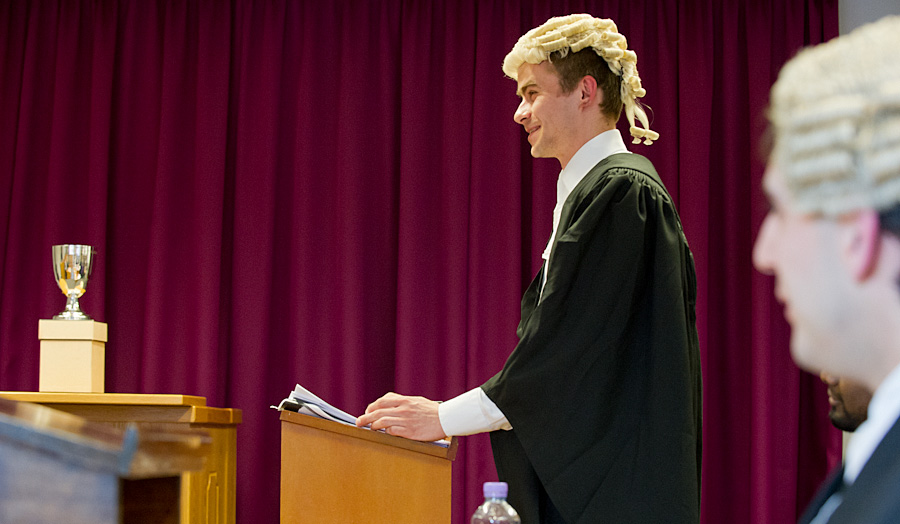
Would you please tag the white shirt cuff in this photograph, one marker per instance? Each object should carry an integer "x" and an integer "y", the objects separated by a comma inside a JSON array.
[{"x": 470, "y": 413}]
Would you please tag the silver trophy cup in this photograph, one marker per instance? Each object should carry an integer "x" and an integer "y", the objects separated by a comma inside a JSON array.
[{"x": 72, "y": 267}]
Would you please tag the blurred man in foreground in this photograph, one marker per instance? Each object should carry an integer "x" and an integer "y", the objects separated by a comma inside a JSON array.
[{"x": 832, "y": 241}]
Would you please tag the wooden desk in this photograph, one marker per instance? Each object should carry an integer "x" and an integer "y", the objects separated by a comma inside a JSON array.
[{"x": 208, "y": 495}]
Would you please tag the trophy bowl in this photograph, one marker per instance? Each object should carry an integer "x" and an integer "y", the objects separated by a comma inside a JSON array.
[{"x": 72, "y": 267}]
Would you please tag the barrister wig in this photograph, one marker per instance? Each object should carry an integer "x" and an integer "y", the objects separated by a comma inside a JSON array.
[
  {"x": 576, "y": 32},
  {"x": 835, "y": 111}
]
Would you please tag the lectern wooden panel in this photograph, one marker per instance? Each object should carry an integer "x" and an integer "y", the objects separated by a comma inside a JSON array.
[
  {"x": 208, "y": 496},
  {"x": 335, "y": 473},
  {"x": 58, "y": 467}
]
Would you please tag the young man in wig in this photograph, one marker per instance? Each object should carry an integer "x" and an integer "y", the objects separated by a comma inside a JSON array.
[
  {"x": 832, "y": 241},
  {"x": 596, "y": 416}
]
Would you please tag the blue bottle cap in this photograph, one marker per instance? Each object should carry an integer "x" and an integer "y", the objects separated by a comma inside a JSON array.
[{"x": 495, "y": 490}]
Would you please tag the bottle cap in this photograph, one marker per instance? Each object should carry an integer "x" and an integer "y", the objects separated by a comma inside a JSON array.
[{"x": 495, "y": 490}]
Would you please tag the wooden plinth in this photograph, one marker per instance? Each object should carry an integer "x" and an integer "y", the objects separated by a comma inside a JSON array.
[{"x": 73, "y": 355}]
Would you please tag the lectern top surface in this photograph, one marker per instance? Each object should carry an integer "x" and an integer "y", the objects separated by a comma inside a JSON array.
[{"x": 426, "y": 448}]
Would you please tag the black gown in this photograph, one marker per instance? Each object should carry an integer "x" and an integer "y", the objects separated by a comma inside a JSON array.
[{"x": 603, "y": 390}]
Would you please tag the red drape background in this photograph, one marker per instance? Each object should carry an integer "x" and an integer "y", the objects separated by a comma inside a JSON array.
[{"x": 334, "y": 193}]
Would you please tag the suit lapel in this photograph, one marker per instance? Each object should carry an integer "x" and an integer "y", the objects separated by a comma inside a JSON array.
[
  {"x": 832, "y": 483},
  {"x": 873, "y": 497}
]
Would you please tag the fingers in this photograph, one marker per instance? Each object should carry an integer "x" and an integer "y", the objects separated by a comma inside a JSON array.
[
  {"x": 411, "y": 417},
  {"x": 374, "y": 411},
  {"x": 386, "y": 423},
  {"x": 381, "y": 420},
  {"x": 399, "y": 428},
  {"x": 389, "y": 400},
  {"x": 368, "y": 419}
]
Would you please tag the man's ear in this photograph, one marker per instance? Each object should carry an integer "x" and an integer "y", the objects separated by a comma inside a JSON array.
[
  {"x": 861, "y": 242},
  {"x": 590, "y": 95}
]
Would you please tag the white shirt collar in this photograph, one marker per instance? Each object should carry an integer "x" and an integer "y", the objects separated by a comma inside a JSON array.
[
  {"x": 884, "y": 409},
  {"x": 596, "y": 149}
]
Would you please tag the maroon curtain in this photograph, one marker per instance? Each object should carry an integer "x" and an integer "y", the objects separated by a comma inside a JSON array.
[{"x": 334, "y": 193}]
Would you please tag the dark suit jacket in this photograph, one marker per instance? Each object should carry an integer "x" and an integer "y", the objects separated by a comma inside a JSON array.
[{"x": 875, "y": 496}]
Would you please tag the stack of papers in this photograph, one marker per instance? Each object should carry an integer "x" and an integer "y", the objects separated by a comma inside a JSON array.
[{"x": 304, "y": 401}]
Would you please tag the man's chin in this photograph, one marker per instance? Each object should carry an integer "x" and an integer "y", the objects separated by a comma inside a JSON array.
[{"x": 841, "y": 422}]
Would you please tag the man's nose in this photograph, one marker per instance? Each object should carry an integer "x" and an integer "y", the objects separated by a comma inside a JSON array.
[
  {"x": 762, "y": 248},
  {"x": 522, "y": 112}
]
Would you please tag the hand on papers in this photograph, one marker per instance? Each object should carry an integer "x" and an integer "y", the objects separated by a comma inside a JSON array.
[{"x": 410, "y": 417}]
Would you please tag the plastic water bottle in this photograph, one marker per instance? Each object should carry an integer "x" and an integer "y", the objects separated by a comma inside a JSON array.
[{"x": 495, "y": 509}]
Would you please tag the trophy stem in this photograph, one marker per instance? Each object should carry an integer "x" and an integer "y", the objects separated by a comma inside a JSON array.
[
  {"x": 72, "y": 311},
  {"x": 71, "y": 269}
]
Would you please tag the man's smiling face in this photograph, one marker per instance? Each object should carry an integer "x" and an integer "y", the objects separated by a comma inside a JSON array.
[{"x": 546, "y": 112}]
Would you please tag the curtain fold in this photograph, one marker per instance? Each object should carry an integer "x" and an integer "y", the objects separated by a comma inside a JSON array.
[{"x": 334, "y": 193}]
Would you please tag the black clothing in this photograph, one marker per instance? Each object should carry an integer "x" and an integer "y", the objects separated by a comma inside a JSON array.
[
  {"x": 603, "y": 390},
  {"x": 872, "y": 498}
]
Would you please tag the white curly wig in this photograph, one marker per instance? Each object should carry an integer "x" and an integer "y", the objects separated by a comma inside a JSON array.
[
  {"x": 835, "y": 111},
  {"x": 577, "y": 32}
]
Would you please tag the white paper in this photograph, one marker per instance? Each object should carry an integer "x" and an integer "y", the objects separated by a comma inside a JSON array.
[{"x": 310, "y": 404}]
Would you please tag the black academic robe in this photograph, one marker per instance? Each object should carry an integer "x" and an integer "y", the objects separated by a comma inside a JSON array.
[
  {"x": 874, "y": 498},
  {"x": 603, "y": 390}
]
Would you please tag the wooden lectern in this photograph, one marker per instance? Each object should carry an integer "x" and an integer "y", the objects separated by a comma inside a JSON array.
[
  {"x": 335, "y": 473},
  {"x": 57, "y": 467}
]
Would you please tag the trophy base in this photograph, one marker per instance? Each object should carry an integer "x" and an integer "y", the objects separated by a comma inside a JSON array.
[
  {"x": 72, "y": 356},
  {"x": 71, "y": 315}
]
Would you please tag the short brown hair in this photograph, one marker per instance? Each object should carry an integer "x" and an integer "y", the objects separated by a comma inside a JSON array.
[{"x": 572, "y": 67}]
